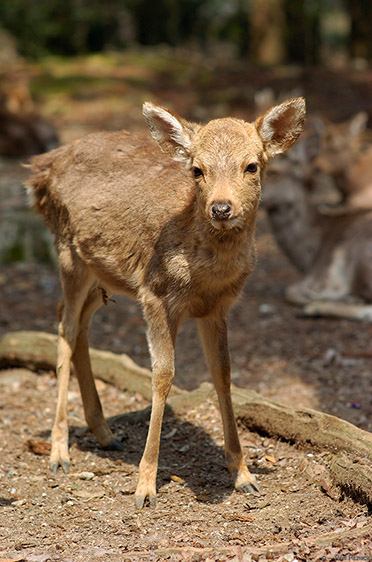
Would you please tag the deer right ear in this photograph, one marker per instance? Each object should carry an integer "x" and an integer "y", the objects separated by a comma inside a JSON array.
[
  {"x": 172, "y": 133},
  {"x": 281, "y": 125},
  {"x": 358, "y": 124}
]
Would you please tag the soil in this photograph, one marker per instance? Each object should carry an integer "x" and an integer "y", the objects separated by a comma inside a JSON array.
[{"x": 89, "y": 514}]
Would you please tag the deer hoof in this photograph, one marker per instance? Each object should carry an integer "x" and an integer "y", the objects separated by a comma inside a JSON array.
[
  {"x": 64, "y": 464},
  {"x": 249, "y": 488},
  {"x": 59, "y": 455},
  {"x": 114, "y": 445},
  {"x": 142, "y": 501}
]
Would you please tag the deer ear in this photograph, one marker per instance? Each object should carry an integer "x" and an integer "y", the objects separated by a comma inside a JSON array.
[
  {"x": 281, "y": 125},
  {"x": 358, "y": 124},
  {"x": 172, "y": 133}
]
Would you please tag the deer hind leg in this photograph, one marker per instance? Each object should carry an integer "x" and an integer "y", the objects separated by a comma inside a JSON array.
[
  {"x": 76, "y": 282},
  {"x": 329, "y": 279},
  {"x": 161, "y": 338},
  {"x": 213, "y": 334},
  {"x": 81, "y": 360},
  {"x": 361, "y": 312}
]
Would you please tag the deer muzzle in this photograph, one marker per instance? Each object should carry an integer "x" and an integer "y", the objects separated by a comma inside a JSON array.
[{"x": 221, "y": 210}]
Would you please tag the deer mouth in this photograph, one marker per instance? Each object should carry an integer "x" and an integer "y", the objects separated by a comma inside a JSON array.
[
  {"x": 222, "y": 215},
  {"x": 226, "y": 224}
]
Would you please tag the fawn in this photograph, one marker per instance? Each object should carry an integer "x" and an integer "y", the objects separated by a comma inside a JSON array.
[{"x": 177, "y": 234}]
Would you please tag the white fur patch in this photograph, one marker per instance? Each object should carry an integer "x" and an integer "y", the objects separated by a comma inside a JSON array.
[{"x": 267, "y": 130}]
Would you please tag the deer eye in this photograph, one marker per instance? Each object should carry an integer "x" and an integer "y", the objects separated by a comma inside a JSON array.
[
  {"x": 251, "y": 168},
  {"x": 197, "y": 172}
]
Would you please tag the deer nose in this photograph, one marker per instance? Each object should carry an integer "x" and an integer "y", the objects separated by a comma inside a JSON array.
[{"x": 221, "y": 210}]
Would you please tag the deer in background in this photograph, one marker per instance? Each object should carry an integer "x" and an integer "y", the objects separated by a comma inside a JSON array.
[
  {"x": 344, "y": 156},
  {"x": 23, "y": 131},
  {"x": 24, "y": 134},
  {"x": 172, "y": 228},
  {"x": 331, "y": 245}
]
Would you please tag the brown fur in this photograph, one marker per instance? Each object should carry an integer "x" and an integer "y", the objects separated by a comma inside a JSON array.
[{"x": 129, "y": 219}]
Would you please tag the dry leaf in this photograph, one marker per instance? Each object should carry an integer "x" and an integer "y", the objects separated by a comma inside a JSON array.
[
  {"x": 237, "y": 517},
  {"x": 176, "y": 478},
  {"x": 270, "y": 458},
  {"x": 85, "y": 495},
  {"x": 38, "y": 447}
]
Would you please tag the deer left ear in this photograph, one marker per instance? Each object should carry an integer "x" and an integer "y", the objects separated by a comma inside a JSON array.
[
  {"x": 281, "y": 125},
  {"x": 172, "y": 133}
]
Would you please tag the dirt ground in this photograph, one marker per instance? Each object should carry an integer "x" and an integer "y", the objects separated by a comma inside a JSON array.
[{"x": 89, "y": 514}]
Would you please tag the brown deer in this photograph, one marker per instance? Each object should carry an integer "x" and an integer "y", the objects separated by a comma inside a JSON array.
[
  {"x": 333, "y": 246},
  {"x": 177, "y": 235}
]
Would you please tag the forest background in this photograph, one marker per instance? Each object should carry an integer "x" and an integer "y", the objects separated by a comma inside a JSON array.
[{"x": 266, "y": 32}]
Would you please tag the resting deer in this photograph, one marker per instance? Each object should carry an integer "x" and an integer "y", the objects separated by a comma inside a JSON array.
[
  {"x": 332, "y": 246},
  {"x": 178, "y": 236}
]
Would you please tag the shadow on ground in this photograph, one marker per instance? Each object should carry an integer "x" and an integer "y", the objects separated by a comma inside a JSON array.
[{"x": 187, "y": 452}]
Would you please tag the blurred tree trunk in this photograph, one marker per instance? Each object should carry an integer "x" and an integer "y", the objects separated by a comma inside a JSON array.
[
  {"x": 361, "y": 28},
  {"x": 267, "y": 31},
  {"x": 302, "y": 34},
  {"x": 157, "y": 21}
]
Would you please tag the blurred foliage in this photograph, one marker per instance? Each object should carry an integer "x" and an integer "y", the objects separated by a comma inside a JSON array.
[
  {"x": 267, "y": 31},
  {"x": 61, "y": 26}
]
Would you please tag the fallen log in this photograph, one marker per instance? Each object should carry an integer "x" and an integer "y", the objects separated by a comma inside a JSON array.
[
  {"x": 353, "y": 475},
  {"x": 38, "y": 351},
  {"x": 349, "y": 466}
]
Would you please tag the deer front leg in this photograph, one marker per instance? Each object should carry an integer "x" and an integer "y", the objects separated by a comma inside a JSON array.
[
  {"x": 213, "y": 333},
  {"x": 161, "y": 338}
]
